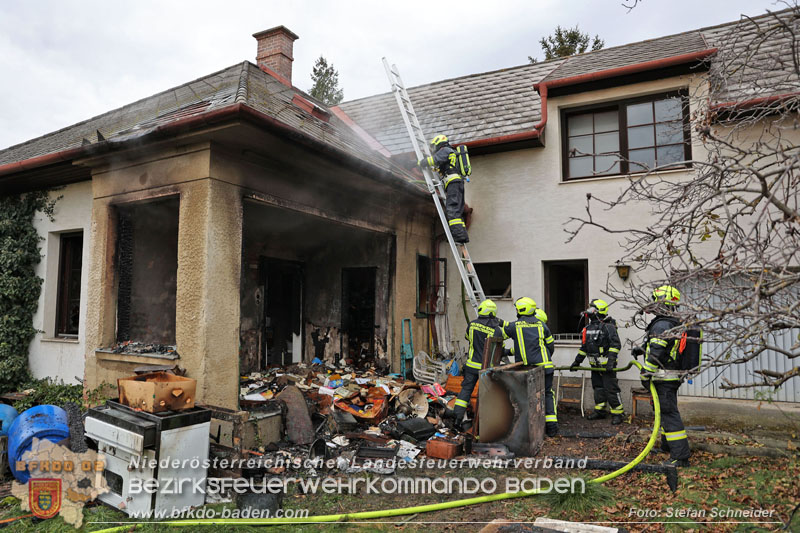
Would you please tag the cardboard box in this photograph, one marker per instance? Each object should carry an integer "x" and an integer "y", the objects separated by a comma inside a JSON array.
[{"x": 157, "y": 391}]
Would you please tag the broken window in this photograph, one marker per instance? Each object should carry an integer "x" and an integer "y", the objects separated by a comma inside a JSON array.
[
  {"x": 68, "y": 305},
  {"x": 424, "y": 275},
  {"x": 495, "y": 279},
  {"x": 566, "y": 295},
  {"x": 147, "y": 269}
]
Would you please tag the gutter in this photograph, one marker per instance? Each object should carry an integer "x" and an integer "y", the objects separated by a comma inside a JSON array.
[
  {"x": 233, "y": 111},
  {"x": 542, "y": 87},
  {"x": 747, "y": 104}
]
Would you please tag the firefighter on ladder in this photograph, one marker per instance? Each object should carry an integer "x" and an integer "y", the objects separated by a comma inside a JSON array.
[
  {"x": 478, "y": 331},
  {"x": 601, "y": 344},
  {"x": 444, "y": 161},
  {"x": 661, "y": 365},
  {"x": 534, "y": 345}
]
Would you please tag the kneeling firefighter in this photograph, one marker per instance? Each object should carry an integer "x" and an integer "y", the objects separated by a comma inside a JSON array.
[
  {"x": 669, "y": 354},
  {"x": 534, "y": 345},
  {"x": 478, "y": 331},
  {"x": 453, "y": 167},
  {"x": 601, "y": 344}
]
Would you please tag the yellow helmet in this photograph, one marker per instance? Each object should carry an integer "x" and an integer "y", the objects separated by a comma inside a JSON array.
[
  {"x": 487, "y": 308},
  {"x": 667, "y": 295},
  {"x": 601, "y": 306},
  {"x": 525, "y": 306},
  {"x": 439, "y": 139},
  {"x": 540, "y": 314}
]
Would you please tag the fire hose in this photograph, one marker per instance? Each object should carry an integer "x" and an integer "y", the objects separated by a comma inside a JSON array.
[{"x": 369, "y": 515}]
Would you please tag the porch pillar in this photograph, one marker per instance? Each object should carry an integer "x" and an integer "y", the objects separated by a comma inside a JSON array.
[{"x": 207, "y": 300}]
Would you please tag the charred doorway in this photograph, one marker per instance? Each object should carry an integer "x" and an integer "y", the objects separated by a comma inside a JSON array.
[
  {"x": 282, "y": 283},
  {"x": 358, "y": 313},
  {"x": 339, "y": 275}
]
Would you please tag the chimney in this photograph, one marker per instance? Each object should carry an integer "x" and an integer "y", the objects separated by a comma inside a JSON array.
[{"x": 275, "y": 51}]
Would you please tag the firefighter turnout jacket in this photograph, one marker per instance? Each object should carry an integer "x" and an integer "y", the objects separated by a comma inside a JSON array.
[
  {"x": 600, "y": 343},
  {"x": 478, "y": 331},
  {"x": 661, "y": 350},
  {"x": 533, "y": 343}
]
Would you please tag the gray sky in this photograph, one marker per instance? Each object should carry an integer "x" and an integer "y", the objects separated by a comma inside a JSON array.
[{"x": 65, "y": 61}]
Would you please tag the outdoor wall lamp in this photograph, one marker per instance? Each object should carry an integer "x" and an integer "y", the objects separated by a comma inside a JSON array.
[{"x": 623, "y": 271}]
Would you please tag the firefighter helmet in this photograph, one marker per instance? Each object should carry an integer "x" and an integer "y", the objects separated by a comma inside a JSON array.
[
  {"x": 667, "y": 295},
  {"x": 487, "y": 308},
  {"x": 540, "y": 314},
  {"x": 600, "y": 305},
  {"x": 439, "y": 139},
  {"x": 525, "y": 306}
]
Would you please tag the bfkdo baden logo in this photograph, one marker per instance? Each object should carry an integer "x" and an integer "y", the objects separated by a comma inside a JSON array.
[{"x": 45, "y": 497}]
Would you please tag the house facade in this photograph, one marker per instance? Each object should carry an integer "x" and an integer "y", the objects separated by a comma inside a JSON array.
[{"x": 245, "y": 224}]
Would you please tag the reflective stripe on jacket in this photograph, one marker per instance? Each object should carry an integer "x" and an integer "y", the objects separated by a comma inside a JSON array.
[
  {"x": 478, "y": 331},
  {"x": 533, "y": 343}
]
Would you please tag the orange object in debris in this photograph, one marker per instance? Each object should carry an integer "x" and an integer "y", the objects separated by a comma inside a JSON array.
[
  {"x": 440, "y": 448},
  {"x": 453, "y": 385},
  {"x": 157, "y": 391},
  {"x": 374, "y": 411}
]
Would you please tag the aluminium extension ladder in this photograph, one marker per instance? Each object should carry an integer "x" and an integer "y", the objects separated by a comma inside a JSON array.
[{"x": 464, "y": 263}]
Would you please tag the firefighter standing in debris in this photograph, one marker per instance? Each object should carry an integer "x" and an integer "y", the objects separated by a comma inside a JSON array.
[
  {"x": 478, "y": 331},
  {"x": 534, "y": 345},
  {"x": 601, "y": 344},
  {"x": 445, "y": 161},
  {"x": 662, "y": 366}
]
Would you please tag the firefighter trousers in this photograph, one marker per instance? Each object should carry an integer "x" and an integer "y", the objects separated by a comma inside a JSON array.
[
  {"x": 550, "y": 416},
  {"x": 467, "y": 386},
  {"x": 606, "y": 392},
  {"x": 673, "y": 434},
  {"x": 454, "y": 209}
]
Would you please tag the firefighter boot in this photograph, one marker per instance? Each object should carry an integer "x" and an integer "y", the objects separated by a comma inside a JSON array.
[
  {"x": 551, "y": 429},
  {"x": 596, "y": 414},
  {"x": 616, "y": 419}
]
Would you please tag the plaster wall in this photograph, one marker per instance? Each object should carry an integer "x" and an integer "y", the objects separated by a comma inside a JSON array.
[
  {"x": 521, "y": 205},
  {"x": 57, "y": 358}
]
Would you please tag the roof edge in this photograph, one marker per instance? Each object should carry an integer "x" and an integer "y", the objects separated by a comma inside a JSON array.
[
  {"x": 232, "y": 111},
  {"x": 636, "y": 68}
]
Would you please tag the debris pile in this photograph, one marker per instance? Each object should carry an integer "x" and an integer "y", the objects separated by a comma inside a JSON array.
[
  {"x": 355, "y": 416},
  {"x": 134, "y": 347}
]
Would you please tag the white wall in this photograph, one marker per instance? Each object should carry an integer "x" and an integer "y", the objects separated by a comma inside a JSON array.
[
  {"x": 60, "y": 359},
  {"x": 521, "y": 205}
]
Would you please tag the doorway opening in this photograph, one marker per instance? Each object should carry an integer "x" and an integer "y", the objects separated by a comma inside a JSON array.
[
  {"x": 283, "y": 303},
  {"x": 358, "y": 313}
]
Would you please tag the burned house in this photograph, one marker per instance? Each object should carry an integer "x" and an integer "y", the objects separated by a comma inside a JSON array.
[{"x": 226, "y": 225}]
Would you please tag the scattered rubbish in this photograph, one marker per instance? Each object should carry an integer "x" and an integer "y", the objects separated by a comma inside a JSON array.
[
  {"x": 340, "y": 441},
  {"x": 443, "y": 448},
  {"x": 298, "y": 427},
  {"x": 418, "y": 428},
  {"x": 133, "y": 347}
]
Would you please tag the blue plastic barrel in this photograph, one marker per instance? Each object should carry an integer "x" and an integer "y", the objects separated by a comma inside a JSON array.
[
  {"x": 41, "y": 422},
  {"x": 7, "y": 415}
]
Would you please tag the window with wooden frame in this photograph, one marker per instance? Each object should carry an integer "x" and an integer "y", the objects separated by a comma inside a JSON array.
[
  {"x": 68, "y": 304},
  {"x": 628, "y": 136}
]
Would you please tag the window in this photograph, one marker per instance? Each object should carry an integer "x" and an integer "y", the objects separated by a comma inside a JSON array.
[
  {"x": 68, "y": 304},
  {"x": 628, "y": 136},
  {"x": 147, "y": 270},
  {"x": 424, "y": 283},
  {"x": 566, "y": 295},
  {"x": 495, "y": 279}
]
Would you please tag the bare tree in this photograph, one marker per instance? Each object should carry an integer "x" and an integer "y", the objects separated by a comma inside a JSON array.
[{"x": 728, "y": 234}]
